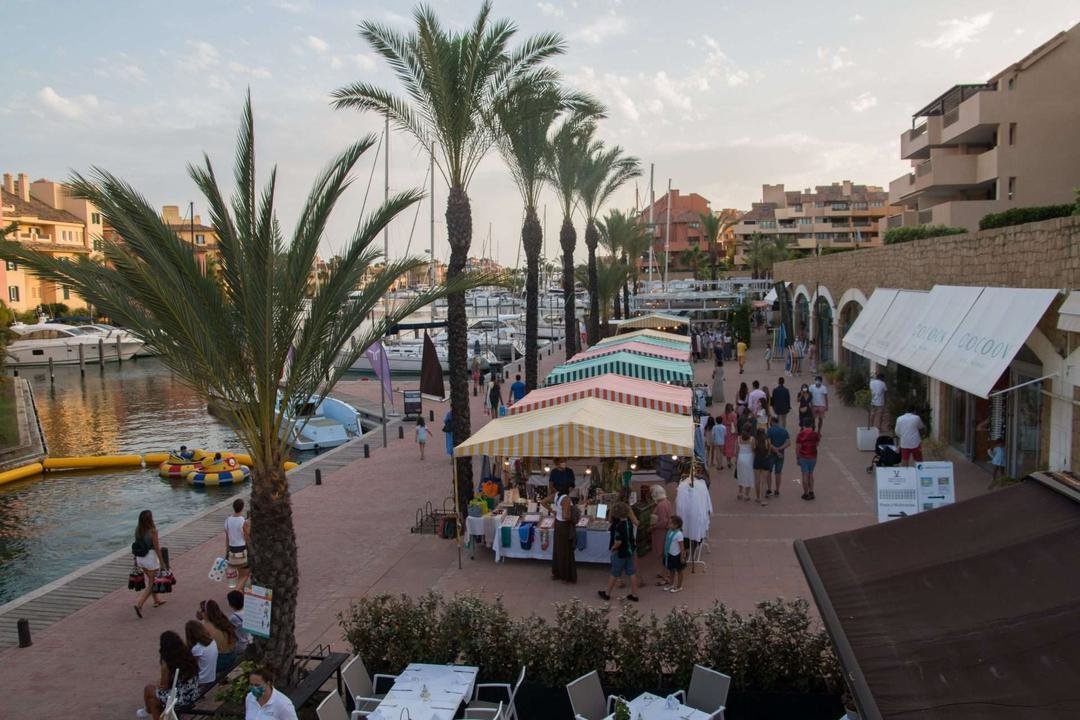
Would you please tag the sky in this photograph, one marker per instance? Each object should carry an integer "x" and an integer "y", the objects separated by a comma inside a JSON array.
[{"x": 721, "y": 97}]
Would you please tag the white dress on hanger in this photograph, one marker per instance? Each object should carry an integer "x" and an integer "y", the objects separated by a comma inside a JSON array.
[{"x": 694, "y": 505}]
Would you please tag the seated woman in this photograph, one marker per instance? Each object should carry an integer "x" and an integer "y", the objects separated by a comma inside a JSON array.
[
  {"x": 205, "y": 650},
  {"x": 221, "y": 630},
  {"x": 174, "y": 655}
]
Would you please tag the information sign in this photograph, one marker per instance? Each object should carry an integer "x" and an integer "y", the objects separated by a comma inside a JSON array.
[
  {"x": 897, "y": 492},
  {"x": 936, "y": 485},
  {"x": 257, "y": 601}
]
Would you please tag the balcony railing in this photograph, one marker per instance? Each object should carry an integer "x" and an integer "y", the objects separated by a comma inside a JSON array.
[
  {"x": 950, "y": 117},
  {"x": 917, "y": 131},
  {"x": 926, "y": 217},
  {"x": 895, "y": 221},
  {"x": 923, "y": 168}
]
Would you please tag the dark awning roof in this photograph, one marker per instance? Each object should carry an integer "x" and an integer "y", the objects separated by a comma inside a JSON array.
[
  {"x": 967, "y": 611},
  {"x": 952, "y": 97}
]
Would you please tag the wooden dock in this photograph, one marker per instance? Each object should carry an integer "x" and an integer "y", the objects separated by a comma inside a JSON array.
[{"x": 63, "y": 597}]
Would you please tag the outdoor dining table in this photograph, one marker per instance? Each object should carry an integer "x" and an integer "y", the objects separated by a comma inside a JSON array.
[
  {"x": 647, "y": 706},
  {"x": 447, "y": 686}
]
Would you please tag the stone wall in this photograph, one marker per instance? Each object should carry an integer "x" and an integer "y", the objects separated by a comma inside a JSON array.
[{"x": 1037, "y": 255}]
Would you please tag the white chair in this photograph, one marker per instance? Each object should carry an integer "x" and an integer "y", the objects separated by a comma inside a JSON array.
[
  {"x": 511, "y": 709},
  {"x": 587, "y": 698},
  {"x": 359, "y": 686},
  {"x": 495, "y": 712},
  {"x": 708, "y": 692},
  {"x": 332, "y": 708}
]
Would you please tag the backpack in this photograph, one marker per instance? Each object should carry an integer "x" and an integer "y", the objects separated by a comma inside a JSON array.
[
  {"x": 447, "y": 427},
  {"x": 575, "y": 513},
  {"x": 141, "y": 547}
]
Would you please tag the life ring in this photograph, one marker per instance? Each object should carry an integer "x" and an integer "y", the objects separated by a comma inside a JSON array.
[{"x": 204, "y": 478}]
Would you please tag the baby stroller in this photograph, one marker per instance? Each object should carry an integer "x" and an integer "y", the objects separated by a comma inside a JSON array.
[{"x": 886, "y": 453}]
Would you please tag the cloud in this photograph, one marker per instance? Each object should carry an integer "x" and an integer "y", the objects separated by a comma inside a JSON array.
[
  {"x": 258, "y": 73},
  {"x": 857, "y": 18},
  {"x": 73, "y": 107},
  {"x": 293, "y": 6},
  {"x": 363, "y": 61},
  {"x": 610, "y": 88},
  {"x": 959, "y": 32},
  {"x": 833, "y": 61},
  {"x": 335, "y": 63},
  {"x": 316, "y": 43},
  {"x": 864, "y": 102},
  {"x": 550, "y": 9},
  {"x": 602, "y": 28},
  {"x": 121, "y": 68},
  {"x": 201, "y": 55},
  {"x": 672, "y": 91}
]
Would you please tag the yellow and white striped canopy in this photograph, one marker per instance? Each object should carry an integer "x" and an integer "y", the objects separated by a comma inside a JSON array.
[
  {"x": 654, "y": 336},
  {"x": 590, "y": 427},
  {"x": 654, "y": 321}
]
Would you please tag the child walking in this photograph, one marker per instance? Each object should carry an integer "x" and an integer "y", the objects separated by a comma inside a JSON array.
[
  {"x": 673, "y": 554},
  {"x": 421, "y": 435}
]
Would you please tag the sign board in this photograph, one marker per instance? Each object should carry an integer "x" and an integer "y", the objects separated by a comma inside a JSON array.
[
  {"x": 897, "y": 492},
  {"x": 904, "y": 491},
  {"x": 414, "y": 403},
  {"x": 257, "y": 601},
  {"x": 936, "y": 485}
]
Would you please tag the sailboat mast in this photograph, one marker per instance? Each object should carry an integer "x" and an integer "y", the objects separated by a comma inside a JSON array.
[
  {"x": 667, "y": 235},
  {"x": 652, "y": 233}
]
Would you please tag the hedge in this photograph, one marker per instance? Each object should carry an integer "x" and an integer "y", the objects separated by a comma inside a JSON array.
[
  {"x": 1019, "y": 216},
  {"x": 918, "y": 232}
]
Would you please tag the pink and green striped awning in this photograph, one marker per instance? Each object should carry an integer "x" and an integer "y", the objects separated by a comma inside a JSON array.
[
  {"x": 641, "y": 367},
  {"x": 636, "y": 347},
  {"x": 616, "y": 388}
]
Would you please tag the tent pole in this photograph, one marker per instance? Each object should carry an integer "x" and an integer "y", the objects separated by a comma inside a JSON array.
[{"x": 457, "y": 514}]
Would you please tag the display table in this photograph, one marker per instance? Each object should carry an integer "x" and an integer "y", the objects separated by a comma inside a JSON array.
[
  {"x": 653, "y": 707},
  {"x": 447, "y": 687},
  {"x": 489, "y": 526}
]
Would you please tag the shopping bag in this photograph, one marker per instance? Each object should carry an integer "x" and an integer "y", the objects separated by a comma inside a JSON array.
[
  {"x": 217, "y": 570},
  {"x": 136, "y": 579}
]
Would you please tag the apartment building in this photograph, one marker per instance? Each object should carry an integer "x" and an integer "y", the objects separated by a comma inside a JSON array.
[
  {"x": 987, "y": 147},
  {"x": 203, "y": 239},
  {"x": 843, "y": 215},
  {"x": 686, "y": 235},
  {"x": 49, "y": 220}
]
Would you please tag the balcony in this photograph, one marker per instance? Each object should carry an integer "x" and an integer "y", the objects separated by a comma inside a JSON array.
[
  {"x": 915, "y": 144},
  {"x": 974, "y": 121},
  {"x": 944, "y": 171}
]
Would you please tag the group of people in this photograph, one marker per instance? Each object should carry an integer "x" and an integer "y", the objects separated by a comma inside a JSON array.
[{"x": 212, "y": 642}]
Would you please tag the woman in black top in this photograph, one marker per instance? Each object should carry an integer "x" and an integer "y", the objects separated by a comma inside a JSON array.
[
  {"x": 740, "y": 399},
  {"x": 762, "y": 464},
  {"x": 806, "y": 411},
  {"x": 495, "y": 397}
]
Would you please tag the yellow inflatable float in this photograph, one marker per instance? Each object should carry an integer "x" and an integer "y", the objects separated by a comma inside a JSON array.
[
  {"x": 221, "y": 469},
  {"x": 179, "y": 466}
]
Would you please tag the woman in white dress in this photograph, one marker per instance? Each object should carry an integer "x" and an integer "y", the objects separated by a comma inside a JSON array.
[{"x": 744, "y": 464}]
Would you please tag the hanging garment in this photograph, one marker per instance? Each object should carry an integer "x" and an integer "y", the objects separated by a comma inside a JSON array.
[{"x": 694, "y": 505}]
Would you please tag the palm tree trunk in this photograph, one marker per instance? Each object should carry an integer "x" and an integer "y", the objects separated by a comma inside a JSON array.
[
  {"x": 625, "y": 292},
  {"x": 568, "y": 239},
  {"x": 459, "y": 235},
  {"x": 532, "y": 239},
  {"x": 592, "y": 238},
  {"x": 712, "y": 259},
  {"x": 274, "y": 564}
]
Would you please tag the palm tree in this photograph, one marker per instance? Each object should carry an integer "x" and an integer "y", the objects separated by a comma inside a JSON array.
[
  {"x": 762, "y": 253},
  {"x": 715, "y": 225},
  {"x": 524, "y": 122},
  {"x": 606, "y": 169},
  {"x": 569, "y": 145},
  {"x": 692, "y": 259},
  {"x": 622, "y": 233},
  {"x": 247, "y": 337},
  {"x": 610, "y": 275},
  {"x": 453, "y": 82}
]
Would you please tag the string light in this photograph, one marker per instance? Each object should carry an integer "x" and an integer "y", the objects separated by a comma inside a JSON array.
[
  {"x": 588, "y": 471},
  {"x": 547, "y": 468},
  {"x": 633, "y": 466},
  {"x": 674, "y": 457}
]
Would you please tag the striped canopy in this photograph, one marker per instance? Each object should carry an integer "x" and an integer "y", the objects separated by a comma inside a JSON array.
[
  {"x": 654, "y": 321},
  {"x": 638, "y": 348},
  {"x": 590, "y": 427},
  {"x": 654, "y": 337},
  {"x": 624, "y": 363},
  {"x": 616, "y": 388}
]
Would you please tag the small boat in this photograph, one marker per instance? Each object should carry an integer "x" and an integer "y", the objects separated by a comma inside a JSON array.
[
  {"x": 39, "y": 343},
  {"x": 111, "y": 332},
  {"x": 406, "y": 358},
  {"x": 321, "y": 425},
  {"x": 219, "y": 469}
]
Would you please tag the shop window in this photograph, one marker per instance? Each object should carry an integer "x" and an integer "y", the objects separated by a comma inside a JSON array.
[{"x": 13, "y": 293}]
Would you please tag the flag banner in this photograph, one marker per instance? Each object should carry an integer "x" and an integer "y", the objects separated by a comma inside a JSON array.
[
  {"x": 380, "y": 364},
  {"x": 431, "y": 374}
]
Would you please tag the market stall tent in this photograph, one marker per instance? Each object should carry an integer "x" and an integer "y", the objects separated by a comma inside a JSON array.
[
  {"x": 653, "y": 321},
  {"x": 589, "y": 427},
  {"x": 624, "y": 363},
  {"x": 616, "y": 388},
  {"x": 653, "y": 337},
  {"x": 638, "y": 348}
]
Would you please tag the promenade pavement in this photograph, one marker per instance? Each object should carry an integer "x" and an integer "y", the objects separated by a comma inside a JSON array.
[{"x": 354, "y": 541}]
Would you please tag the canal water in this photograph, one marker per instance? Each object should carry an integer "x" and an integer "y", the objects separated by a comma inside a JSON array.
[{"x": 56, "y": 523}]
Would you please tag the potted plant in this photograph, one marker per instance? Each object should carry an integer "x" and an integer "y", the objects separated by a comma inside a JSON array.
[{"x": 622, "y": 709}]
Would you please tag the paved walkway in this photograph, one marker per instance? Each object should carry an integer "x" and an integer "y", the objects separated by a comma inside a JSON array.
[{"x": 354, "y": 540}]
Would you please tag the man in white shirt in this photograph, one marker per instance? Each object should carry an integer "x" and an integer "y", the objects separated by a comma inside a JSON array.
[
  {"x": 909, "y": 428},
  {"x": 878, "y": 388},
  {"x": 756, "y": 398},
  {"x": 819, "y": 401},
  {"x": 264, "y": 701}
]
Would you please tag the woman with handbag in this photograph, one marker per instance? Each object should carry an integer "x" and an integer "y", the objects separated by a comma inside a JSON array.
[
  {"x": 563, "y": 563},
  {"x": 147, "y": 552},
  {"x": 237, "y": 534}
]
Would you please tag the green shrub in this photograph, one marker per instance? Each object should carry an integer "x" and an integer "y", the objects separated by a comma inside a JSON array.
[
  {"x": 740, "y": 323},
  {"x": 918, "y": 232},
  {"x": 775, "y": 648},
  {"x": 854, "y": 380},
  {"x": 1019, "y": 216},
  {"x": 834, "y": 250}
]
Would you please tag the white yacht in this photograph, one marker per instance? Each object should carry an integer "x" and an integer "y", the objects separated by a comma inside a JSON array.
[
  {"x": 39, "y": 343},
  {"x": 406, "y": 357},
  {"x": 322, "y": 425},
  {"x": 111, "y": 332}
]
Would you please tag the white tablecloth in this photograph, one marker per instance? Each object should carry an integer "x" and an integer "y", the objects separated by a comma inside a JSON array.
[
  {"x": 653, "y": 707},
  {"x": 447, "y": 685},
  {"x": 596, "y": 544}
]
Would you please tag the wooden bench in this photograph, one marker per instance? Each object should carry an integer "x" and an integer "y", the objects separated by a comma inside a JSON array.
[{"x": 329, "y": 665}]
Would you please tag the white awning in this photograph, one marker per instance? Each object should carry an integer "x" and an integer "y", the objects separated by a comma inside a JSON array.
[
  {"x": 1069, "y": 314},
  {"x": 989, "y": 337},
  {"x": 919, "y": 344},
  {"x": 859, "y": 334},
  {"x": 770, "y": 297},
  {"x": 885, "y": 338}
]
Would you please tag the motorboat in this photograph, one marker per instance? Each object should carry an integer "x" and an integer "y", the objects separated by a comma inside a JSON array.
[
  {"x": 111, "y": 332},
  {"x": 406, "y": 357},
  {"x": 321, "y": 424},
  {"x": 498, "y": 335},
  {"x": 39, "y": 343}
]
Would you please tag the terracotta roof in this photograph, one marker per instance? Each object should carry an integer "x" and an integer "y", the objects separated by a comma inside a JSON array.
[
  {"x": 36, "y": 209},
  {"x": 760, "y": 211},
  {"x": 186, "y": 227}
]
